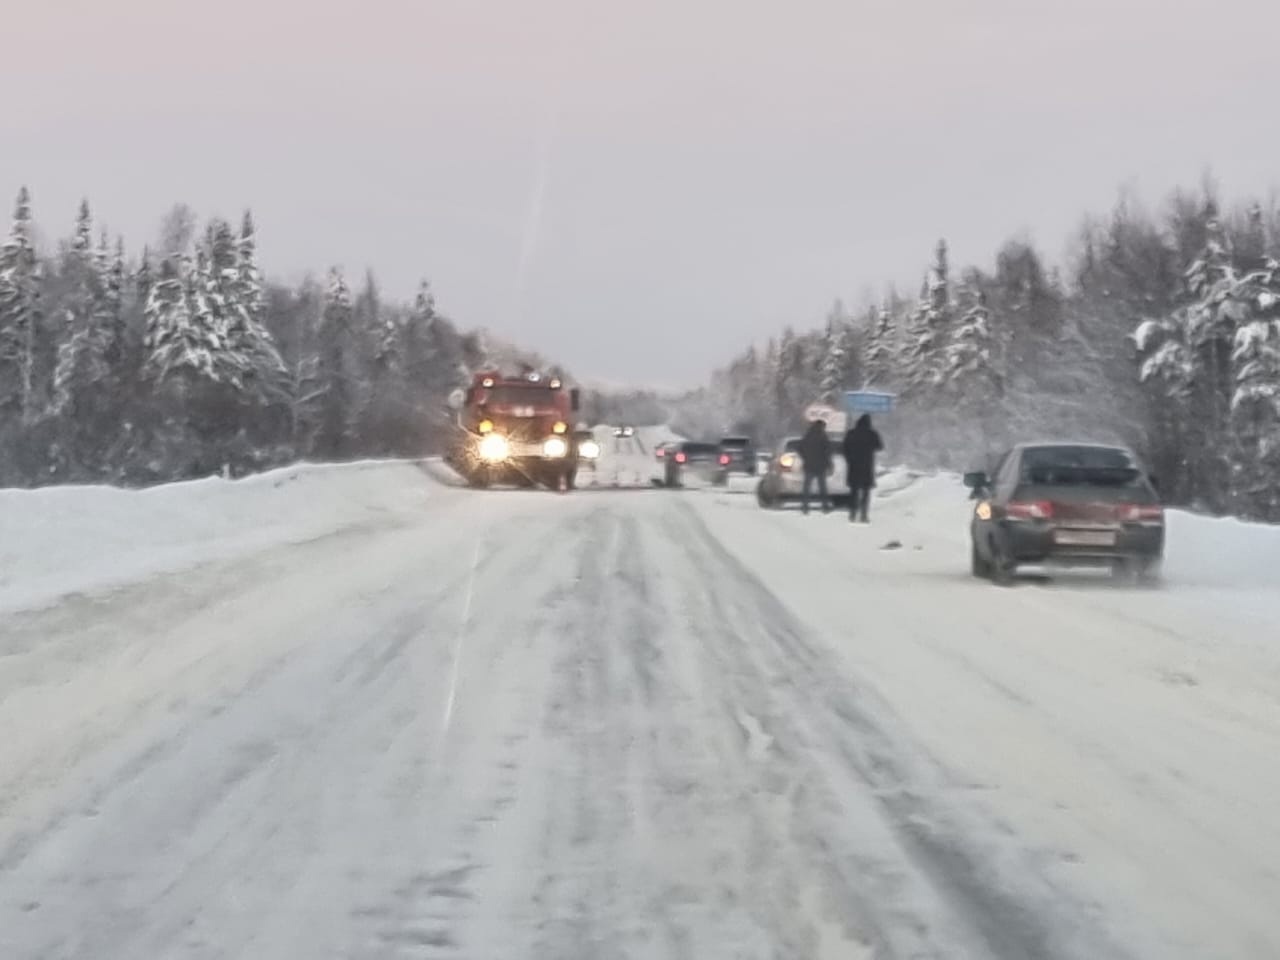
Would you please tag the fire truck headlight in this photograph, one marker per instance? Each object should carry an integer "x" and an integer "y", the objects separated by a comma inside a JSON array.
[
  {"x": 494, "y": 448},
  {"x": 589, "y": 450},
  {"x": 555, "y": 447}
]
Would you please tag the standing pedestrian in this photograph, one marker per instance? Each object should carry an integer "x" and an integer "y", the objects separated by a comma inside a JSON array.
[
  {"x": 861, "y": 444},
  {"x": 815, "y": 455}
]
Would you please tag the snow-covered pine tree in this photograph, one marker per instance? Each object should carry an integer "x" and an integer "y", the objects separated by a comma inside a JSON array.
[
  {"x": 181, "y": 343},
  {"x": 110, "y": 306},
  {"x": 939, "y": 315},
  {"x": 1211, "y": 319},
  {"x": 335, "y": 369},
  {"x": 970, "y": 360},
  {"x": 248, "y": 276},
  {"x": 428, "y": 366},
  {"x": 1255, "y": 403},
  {"x": 792, "y": 387},
  {"x": 383, "y": 403},
  {"x": 211, "y": 315},
  {"x": 918, "y": 355},
  {"x": 83, "y": 387},
  {"x": 248, "y": 340},
  {"x": 832, "y": 361},
  {"x": 881, "y": 352},
  {"x": 971, "y": 370},
  {"x": 20, "y": 283}
]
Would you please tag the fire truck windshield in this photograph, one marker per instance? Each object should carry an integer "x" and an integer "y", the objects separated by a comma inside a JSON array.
[{"x": 534, "y": 395}]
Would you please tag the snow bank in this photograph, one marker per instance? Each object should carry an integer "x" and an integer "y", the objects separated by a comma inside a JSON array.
[
  {"x": 77, "y": 539},
  {"x": 1221, "y": 551}
]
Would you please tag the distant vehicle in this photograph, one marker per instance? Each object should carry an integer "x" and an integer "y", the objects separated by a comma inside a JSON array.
[
  {"x": 659, "y": 476},
  {"x": 737, "y": 455},
  {"x": 686, "y": 457},
  {"x": 783, "y": 481},
  {"x": 1066, "y": 504},
  {"x": 624, "y": 432}
]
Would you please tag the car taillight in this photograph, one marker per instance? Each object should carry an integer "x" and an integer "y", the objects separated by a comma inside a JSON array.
[
  {"x": 659, "y": 453},
  {"x": 680, "y": 457},
  {"x": 724, "y": 459},
  {"x": 1029, "y": 510},
  {"x": 1141, "y": 513}
]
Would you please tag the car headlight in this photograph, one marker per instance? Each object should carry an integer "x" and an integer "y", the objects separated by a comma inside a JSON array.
[
  {"x": 555, "y": 447},
  {"x": 494, "y": 448},
  {"x": 589, "y": 450}
]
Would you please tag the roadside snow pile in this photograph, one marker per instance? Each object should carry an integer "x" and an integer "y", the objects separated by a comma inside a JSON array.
[
  {"x": 1221, "y": 552},
  {"x": 76, "y": 539}
]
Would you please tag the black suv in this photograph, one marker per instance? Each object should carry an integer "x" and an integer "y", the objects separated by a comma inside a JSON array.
[
  {"x": 737, "y": 455},
  {"x": 686, "y": 455}
]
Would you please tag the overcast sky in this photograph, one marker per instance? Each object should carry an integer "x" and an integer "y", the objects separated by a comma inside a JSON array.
[{"x": 636, "y": 188}]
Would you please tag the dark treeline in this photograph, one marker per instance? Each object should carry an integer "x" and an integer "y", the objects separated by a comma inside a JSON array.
[
  {"x": 181, "y": 361},
  {"x": 1162, "y": 330}
]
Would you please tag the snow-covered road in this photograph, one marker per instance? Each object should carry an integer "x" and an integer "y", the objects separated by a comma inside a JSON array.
[{"x": 640, "y": 724}]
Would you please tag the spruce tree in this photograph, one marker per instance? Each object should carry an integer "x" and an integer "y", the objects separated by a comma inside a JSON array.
[
  {"x": 335, "y": 369},
  {"x": 20, "y": 283}
]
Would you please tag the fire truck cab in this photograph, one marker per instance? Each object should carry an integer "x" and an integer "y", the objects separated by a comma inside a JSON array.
[{"x": 515, "y": 429}]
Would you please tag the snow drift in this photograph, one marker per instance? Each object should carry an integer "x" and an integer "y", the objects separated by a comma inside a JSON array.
[{"x": 76, "y": 539}]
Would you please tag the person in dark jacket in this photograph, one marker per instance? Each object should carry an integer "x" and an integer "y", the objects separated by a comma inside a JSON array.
[
  {"x": 861, "y": 444},
  {"x": 815, "y": 455}
]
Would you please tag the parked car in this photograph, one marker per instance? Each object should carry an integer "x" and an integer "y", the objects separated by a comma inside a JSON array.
[
  {"x": 1066, "y": 504},
  {"x": 737, "y": 455},
  {"x": 783, "y": 481}
]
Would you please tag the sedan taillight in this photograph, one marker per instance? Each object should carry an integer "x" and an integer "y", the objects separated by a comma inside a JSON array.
[
  {"x": 680, "y": 457},
  {"x": 1029, "y": 510},
  {"x": 1141, "y": 513},
  {"x": 725, "y": 459}
]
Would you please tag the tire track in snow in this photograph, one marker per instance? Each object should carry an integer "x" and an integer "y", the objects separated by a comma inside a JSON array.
[{"x": 815, "y": 711}]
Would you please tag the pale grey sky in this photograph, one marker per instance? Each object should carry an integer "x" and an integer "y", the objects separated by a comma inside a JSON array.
[{"x": 637, "y": 188}]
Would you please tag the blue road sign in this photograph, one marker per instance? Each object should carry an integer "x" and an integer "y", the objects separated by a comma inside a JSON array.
[{"x": 868, "y": 401}]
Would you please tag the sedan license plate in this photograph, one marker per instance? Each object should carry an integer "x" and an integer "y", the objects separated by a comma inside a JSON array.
[{"x": 1085, "y": 538}]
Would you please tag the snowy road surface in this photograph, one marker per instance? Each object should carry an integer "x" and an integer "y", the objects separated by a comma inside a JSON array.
[{"x": 642, "y": 724}]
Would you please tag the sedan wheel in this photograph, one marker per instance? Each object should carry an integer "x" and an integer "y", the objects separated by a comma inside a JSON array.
[{"x": 978, "y": 564}]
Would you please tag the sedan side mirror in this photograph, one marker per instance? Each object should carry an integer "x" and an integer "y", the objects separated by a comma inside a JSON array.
[
  {"x": 457, "y": 399},
  {"x": 977, "y": 480}
]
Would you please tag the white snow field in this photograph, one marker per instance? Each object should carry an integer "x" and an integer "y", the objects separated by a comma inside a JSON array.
[{"x": 360, "y": 711}]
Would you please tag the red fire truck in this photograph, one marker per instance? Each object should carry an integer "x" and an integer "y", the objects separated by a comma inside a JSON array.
[{"x": 515, "y": 429}]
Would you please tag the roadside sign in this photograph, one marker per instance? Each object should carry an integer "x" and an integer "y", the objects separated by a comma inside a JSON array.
[
  {"x": 868, "y": 401},
  {"x": 835, "y": 419}
]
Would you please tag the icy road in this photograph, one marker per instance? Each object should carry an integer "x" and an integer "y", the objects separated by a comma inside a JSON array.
[{"x": 386, "y": 717}]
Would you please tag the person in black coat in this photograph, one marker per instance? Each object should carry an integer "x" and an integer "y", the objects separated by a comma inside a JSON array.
[
  {"x": 861, "y": 444},
  {"x": 815, "y": 455}
]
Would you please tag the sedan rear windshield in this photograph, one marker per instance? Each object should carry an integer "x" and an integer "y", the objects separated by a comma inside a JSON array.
[
  {"x": 1079, "y": 466},
  {"x": 699, "y": 449},
  {"x": 735, "y": 443}
]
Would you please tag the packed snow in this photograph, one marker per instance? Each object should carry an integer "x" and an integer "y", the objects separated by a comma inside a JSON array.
[
  {"x": 84, "y": 539},
  {"x": 360, "y": 711}
]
